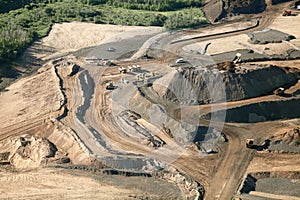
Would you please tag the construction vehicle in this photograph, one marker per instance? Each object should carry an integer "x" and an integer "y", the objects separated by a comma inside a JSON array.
[
  {"x": 250, "y": 143},
  {"x": 110, "y": 86},
  {"x": 122, "y": 70},
  {"x": 279, "y": 91},
  {"x": 287, "y": 13},
  {"x": 237, "y": 58},
  {"x": 180, "y": 60}
]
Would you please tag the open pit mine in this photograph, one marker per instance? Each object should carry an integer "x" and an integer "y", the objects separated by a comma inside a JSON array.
[{"x": 205, "y": 113}]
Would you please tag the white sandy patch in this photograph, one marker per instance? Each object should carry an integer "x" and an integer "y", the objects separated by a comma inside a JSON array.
[
  {"x": 290, "y": 25},
  {"x": 76, "y": 35},
  {"x": 70, "y": 37}
]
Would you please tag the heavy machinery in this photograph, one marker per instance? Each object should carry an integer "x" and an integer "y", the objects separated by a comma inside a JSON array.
[
  {"x": 237, "y": 58},
  {"x": 287, "y": 13},
  {"x": 279, "y": 91},
  {"x": 110, "y": 86},
  {"x": 250, "y": 143},
  {"x": 122, "y": 70}
]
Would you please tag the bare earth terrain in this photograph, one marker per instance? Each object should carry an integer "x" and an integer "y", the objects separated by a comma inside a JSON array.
[{"x": 113, "y": 114}]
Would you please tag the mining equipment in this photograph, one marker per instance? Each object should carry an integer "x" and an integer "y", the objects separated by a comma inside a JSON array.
[
  {"x": 110, "y": 86},
  {"x": 287, "y": 13},
  {"x": 250, "y": 143}
]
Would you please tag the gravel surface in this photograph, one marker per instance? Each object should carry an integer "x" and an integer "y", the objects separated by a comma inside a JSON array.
[
  {"x": 279, "y": 186},
  {"x": 150, "y": 186},
  {"x": 282, "y": 146},
  {"x": 269, "y": 36},
  {"x": 118, "y": 49},
  {"x": 247, "y": 55}
]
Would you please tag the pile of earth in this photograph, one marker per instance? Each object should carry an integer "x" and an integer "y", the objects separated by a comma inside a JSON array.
[
  {"x": 288, "y": 141},
  {"x": 269, "y": 36},
  {"x": 218, "y": 9},
  {"x": 201, "y": 86},
  {"x": 29, "y": 151}
]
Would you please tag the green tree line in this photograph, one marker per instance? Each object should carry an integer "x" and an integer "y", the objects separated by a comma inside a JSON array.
[{"x": 20, "y": 27}]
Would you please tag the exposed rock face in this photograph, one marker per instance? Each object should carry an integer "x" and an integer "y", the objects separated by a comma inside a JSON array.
[
  {"x": 29, "y": 152},
  {"x": 183, "y": 132},
  {"x": 197, "y": 86},
  {"x": 191, "y": 188},
  {"x": 246, "y": 7},
  {"x": 279, "y": 1},
  {"x": 214, "y": 10},
  {"x": 260, "y": 112},
  {"x": 218, "y": 9},
  {"x": 288, "y": 141},
  {"x": 292, "y": 136}
]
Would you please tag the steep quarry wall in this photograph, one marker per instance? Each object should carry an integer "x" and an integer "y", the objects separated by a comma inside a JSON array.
[
  {"x": 183, "y": 132},
  {"x": 246, "y": 7},
  {"x": 264, "y": 111},
  {"x": 67, "y": 141},
  {"x": 215, "y": 10},
  {"x": 192, "y": 86},
  {"x": 279, "y": 1}
]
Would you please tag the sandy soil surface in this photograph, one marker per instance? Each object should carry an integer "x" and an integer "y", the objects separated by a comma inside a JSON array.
[
  {"x": 285, "y": 24},
  {"x": 74, "y": 184},
  {"x": 290, "y": 25},
  {"x": 63, "y": 38},
  {"x": 220, "y": 173},
  {"x": 240, "y": 42},
  {"x": 51, "y": 184},
  {"x": 265, "y": 162},
  {"x": 29, "y": 98}
]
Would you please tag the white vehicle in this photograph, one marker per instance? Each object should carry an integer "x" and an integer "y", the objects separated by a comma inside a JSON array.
[
  {"x": 110, "y": 49},
  {"x": 180, "y": 60}
]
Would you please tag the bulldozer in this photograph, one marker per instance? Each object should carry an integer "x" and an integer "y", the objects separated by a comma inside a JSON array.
[{"x": 250, "y": 143}]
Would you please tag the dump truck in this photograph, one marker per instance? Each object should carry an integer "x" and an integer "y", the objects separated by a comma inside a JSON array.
[
  {"x": 250, "y": 143},
  {"x": 110, "y": 86},
  {"x": 287, "y": 13}
]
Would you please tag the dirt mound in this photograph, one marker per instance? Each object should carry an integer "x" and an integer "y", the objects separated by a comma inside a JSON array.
[
  {"x": 269, "y": 36},
  {"x": 288, "y": 141},
  {"x": 29, "y": 151},
  {"x": 218, "y": 9},
  {"x": 201, "y": 86},
  {"x": 292, "y": 136}
]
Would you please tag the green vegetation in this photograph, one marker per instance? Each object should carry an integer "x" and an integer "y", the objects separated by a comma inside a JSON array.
[
  {"x": 154, "y": 5},
  {"x": 23, "y": 21}
]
